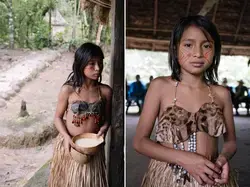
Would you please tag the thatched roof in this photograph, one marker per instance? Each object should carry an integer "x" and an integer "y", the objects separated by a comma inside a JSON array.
[
  {"x": 102, "y": 3},
  {"x": 149, "y": 23},
  {"x": 103, "y": 8}
]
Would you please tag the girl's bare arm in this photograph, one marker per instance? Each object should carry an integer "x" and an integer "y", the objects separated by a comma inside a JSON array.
[
  {"x": 62, "y": 105},
  {"x": 229, "y": 146},
  {"x": 108, "y": 93},
  {"x": 142, "y": 142}
]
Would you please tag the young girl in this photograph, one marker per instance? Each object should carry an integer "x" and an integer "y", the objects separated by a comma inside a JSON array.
[
  {"x": 87, "y": 105},
  {"x": 192, "y": 110}
]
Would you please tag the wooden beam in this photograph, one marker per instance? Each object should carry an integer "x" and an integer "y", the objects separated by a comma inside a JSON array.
[
  {"x": 208, "y": 5},
  {"x": 155, "y": 16},
  {"x": 169, "y": 31},
  {"x": 215, "y": 11},
  {"x": 236, "y": 47},
  {"x": 147, "y": 29},
  {"x": 101, "y": 3},
  {"x": 147, "y": 40},
  {"x": 238, "y": 25},
  {"x": 188, "y": 7},
  {"x": 240, "y": 20},
  {"x": 153, "y": 47}
]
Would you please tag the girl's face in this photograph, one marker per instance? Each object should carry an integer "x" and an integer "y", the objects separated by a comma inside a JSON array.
[
  {"x": 94, "y": 68},
  {"x": 195, "y": 51}
]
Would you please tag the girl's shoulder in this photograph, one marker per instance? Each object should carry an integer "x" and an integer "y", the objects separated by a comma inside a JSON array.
[
  {"x": 105, "y": 89},
  {"x": 163, "y": 82},
  {"x": 221, "y": 93},
  {"x": 219, "y": 89},
  {"x": 67, "y": 89}
]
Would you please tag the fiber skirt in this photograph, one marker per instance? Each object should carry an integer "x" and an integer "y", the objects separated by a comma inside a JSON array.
[
  {"x": 159, "y": 174},
  {"x": 66, "y": 172}
]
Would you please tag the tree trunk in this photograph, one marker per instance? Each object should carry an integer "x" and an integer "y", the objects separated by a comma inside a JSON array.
[
  {"x": 74, "y": 22},
  {"x": 85, "y": 18},
  {"x": 50, "y": 25},
  {"x": 92, "y": 23},
  {"x": 27, "y": 35},
  {"x": 78, "y": 7},
  {"x": 11, "y": 24},
  {"x": 116, "y": 164},
  {"x": 98, "y": 34}
]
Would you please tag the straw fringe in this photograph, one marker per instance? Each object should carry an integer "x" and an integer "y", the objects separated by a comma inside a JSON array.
[
  {"x": 159, "y": 174},
  {"x": 65, "y": 172}
]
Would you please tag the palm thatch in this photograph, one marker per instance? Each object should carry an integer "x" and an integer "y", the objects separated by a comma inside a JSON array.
[
  {"x": 102, "y": 9},
  {"x": 149, "y": 23}
]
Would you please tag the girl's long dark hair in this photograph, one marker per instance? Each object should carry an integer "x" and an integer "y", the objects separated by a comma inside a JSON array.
[
  {"x": 82, "y": 56},
  {"x": 210, "y": 31}
]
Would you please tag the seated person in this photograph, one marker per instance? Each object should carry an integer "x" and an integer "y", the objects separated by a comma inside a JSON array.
[
  {"x": 150, "y": 79},
  {"x": 137, "y": 93},
  {"x": 241, "y": 96},
  {"x": 230, "y": 89}
]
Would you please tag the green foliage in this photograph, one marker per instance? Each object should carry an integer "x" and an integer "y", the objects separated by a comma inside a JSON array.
[
  {"x": 106, "y": 35},
  {"x": 58, "y": 39},
  {"x": 3, "y": 23},
  {"x": 41, "y": 34},
  {"x": 31, "y": 31}
]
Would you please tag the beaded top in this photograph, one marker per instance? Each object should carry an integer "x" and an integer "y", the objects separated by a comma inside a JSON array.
[
  {"x": 83, "y": 107},
  {"x": 82, "y": 110}
]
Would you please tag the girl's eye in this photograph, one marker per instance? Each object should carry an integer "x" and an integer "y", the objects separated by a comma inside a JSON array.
[
  {"x": 187, "y": 45},
  {"x": 207, "y": 46}
]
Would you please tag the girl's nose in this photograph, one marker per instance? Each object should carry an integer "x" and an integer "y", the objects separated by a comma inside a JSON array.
[
  {"x": 97, "y": 68},
  {"x": 198, "y": 52}
]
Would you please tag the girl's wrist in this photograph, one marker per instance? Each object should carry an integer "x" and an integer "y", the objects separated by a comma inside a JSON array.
[
  {"x": 221, "y": 160},
  {"x": 66, "y": 136},
  {"x": 226, "y": 156}
]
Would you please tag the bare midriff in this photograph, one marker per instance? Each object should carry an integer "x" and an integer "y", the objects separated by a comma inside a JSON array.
[
  {"x": 206, "y": 145},
  {"x": 88, "y": 126}
]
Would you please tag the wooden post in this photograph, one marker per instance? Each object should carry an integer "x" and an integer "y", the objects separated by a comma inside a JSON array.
[
  {"x": 116, "y": 161},
  {"x": 208, "y": 5},
  {"x": 155, "y": 16}
]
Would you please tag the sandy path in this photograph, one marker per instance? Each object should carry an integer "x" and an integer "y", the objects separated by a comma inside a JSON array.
[{"x": 18, "y": 165}]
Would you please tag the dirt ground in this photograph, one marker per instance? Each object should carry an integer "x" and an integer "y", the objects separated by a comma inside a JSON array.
[
  {"x": 18, "y": 165},
  {"x": 9, "y": 58}
]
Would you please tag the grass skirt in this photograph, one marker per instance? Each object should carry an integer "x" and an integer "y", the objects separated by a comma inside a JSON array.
[
  {"x": 159, "y": 174},
  {"x": 66, "y": 172}
]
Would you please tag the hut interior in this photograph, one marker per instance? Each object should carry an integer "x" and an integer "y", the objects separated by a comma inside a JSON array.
[{"x": 149, "y": 23}]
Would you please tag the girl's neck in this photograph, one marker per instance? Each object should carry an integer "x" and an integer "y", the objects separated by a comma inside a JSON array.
[
  {"x": 88, "y": 84},
  {"x": 192, "y": 81}
]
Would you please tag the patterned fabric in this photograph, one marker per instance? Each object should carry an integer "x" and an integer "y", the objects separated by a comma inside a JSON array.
[{"x": 176, "y": 124}]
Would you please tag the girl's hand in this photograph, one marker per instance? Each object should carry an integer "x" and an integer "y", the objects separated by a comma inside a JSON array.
[
  {"x": 224, "y": 176},
  {"x": 103, "y": 130},
  {"x": 203, "y": 170},
  {"x": 68, "y": 144}
]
